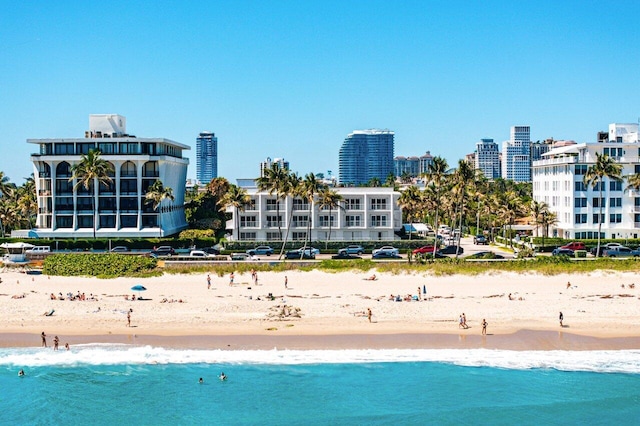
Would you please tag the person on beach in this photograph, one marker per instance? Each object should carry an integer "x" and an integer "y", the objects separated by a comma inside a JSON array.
[
  {"x": 484, "y": 327},
  {"x": 56, "y": 341},
  {"x": 419, "y": 294},
  {"x": 129, "y": 317},
  {"x": 286, "y": 282},
  {"x": 568, "y": 285},
  {"x": 460, "y": 322},
  {"x": 464, "y": 321},
  {"x": 208, "y": 282},
  {"x": 231, "y": 277},
  {"x": 561, "y": 317},
  {"x": 66, "y": 346},
  {"x": 369, "y": 314},
  {"x": 44, "y": 339}
]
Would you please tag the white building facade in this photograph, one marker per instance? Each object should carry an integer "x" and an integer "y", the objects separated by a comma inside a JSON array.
[
  {"x": 488, "y": 158},
  {"x": 558, "y": 181},
  {"x": 365, "y": 214},
  {"x": 121, "y": 210},
  {"x": 516, "y": 155}
]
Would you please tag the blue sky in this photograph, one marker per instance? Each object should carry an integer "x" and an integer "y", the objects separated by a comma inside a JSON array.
[{"x": 292, "y": 78}]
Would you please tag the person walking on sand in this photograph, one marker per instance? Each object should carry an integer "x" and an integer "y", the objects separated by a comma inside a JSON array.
[
  {"x": 286, "y": 282},
  {"x": 231, "y": 277},
  {"x": 561, "y": 317},
  {"x": 369, "y": 314},
  {"x": 208, "y": 282},
  {"x": 484, "y": 326},
  {"x": 129, "y": 317},
  {"x": 44, "y": 339},
  {"x": 460, "y": 322},
  {"x": 464, "y": 321}
]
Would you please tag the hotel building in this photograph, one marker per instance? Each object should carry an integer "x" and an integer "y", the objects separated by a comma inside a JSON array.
[
  {"x": 365, "y": 155},
  {"x": 516, "y": 155},
  {"x": 558, "y": 181},
  {"x": 365, "y": 214},
  {"x": 488, "y": 158},
  {"x": 121, "y": 208}
]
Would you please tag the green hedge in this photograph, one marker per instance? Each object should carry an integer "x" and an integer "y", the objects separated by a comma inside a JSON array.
[
  {"x": 98, "y": 265},
  {"x": 332, "y": 246}
]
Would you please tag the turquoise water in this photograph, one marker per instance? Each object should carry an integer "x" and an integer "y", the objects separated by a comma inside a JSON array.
[{"x": 118, "y": 384}]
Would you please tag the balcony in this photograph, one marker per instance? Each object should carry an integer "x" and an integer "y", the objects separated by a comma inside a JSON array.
[{"x": 299, "y": 207}]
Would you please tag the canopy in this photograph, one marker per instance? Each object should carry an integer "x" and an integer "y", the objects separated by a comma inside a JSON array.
[{"x": 138, "y": 287}]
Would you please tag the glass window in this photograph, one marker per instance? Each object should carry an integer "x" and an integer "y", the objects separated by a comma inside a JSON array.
[
  {"x": 128, "y": 169},
  {"x": 128, "y": 221}
]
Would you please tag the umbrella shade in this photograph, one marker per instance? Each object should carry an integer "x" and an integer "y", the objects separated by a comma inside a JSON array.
[{"x": 138, "y": 288}]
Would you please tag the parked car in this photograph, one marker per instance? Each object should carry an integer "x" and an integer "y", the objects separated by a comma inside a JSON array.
[
  {"x": 343, "y": 255},
  {"x": 119, "y": 249},
  {"x": 575, "y": 245},
  {"x": 200, "y": 253},
  {"x": 39, "y": 249},
  {"x": 260, "y": 250},
  {"x": 352, "y": 249},
  {"x": 240, "y": 256},
  {"x": 485, "y": 255},
  {"x": 425, "y": 249},
  {"x": 562, "y": 252},
  {"x": 480, "y": 239},
  {"x": 313, "y": 250},
  {"x": 451, "y": 250},
  {"x": 621, "y": 252},
  {"x": 163, "y": 251},
  {"x": 300, "y": 254},
  {"x": 211, "y": 250},
  {"x": 386, "y": 249},
  {"x": 436, "y": 255},
  {"x": 604, "y": 247},
  {"x": 385, "y": 252}
]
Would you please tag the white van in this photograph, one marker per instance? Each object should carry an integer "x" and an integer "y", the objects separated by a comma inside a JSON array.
[{"x": 39, "y": 249}]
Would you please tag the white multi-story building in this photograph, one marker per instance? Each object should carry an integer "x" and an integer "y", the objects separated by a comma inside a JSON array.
[
  {"x": 365, "y": 214},
  {"x": 268, "y": 163},
  {"x": 558, "y": 181},
  {"x": 516, "y": 155},
  {"x": 121, "y": 208},
  {"x": 625, "y": 133}
]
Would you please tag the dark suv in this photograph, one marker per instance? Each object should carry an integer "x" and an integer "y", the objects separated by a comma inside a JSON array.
[
  {"x": 163, "y": 251},
  {"x": 480, "y": 239}
]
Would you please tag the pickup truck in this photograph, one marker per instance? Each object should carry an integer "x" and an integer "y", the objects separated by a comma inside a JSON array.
[{"x": 621, "y": 252}]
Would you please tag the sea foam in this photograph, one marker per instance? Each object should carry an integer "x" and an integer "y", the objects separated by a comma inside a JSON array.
[{"x": 624, "y": 361}]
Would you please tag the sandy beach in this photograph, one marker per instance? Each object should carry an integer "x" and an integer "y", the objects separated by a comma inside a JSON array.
[{"x": 320, "y": 310}]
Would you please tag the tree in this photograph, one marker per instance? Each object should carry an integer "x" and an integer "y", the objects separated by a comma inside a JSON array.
[
  {"x": 410, "y": 201},
  {"x": 309, "y": 189},
  {"x": 374, "y": 182},
  {"x": 290, "y": 187},
  {"x": 329, "y": 199},
  {"x": 463, "y": 177},
  {"x": 156, "y": 194},
  {"x": 91, "y": 170},
  {"x": 538, "y": 209},
  {"x": 604, "y": 167},
  {"x": 274, "y": 181},
  {"x": 237, "y": 198},
  {"x": 6, "y": 188},
  {"x": 436, "y": 174}
]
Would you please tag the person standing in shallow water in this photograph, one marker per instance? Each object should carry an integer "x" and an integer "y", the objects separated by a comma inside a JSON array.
[
  {"x": 484, "y": 326},
  {"x": 561, "y": 317},
  {"x": 44, "y": 339}
]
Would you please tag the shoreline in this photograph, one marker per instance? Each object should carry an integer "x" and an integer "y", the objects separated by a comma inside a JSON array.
[{"x": 522, "y": 340}]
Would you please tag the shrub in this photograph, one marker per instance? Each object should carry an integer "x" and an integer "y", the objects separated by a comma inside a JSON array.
[{"x": 99, "y": 265}]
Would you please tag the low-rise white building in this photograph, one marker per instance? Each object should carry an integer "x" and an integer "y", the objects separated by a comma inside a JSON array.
[
  {"x": 121, "y": 208},
  {"x": 365, "y": 214},
  {"x": 558, "y": 181}
]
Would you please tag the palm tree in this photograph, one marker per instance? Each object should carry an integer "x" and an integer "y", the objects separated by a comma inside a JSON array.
[
  {"x": 633, "y": 182},
  {"x": 463, "y": 178},
  {"x": 604, "y": 167},
  {"x": 436, "y": 174},
  {"x": 410, "y": 201},
  {"x": 309, "y": 189},
  {"x": 237, "y": 198},
  {"x": 156, "y": 194},
  {"x": 538, "y": 209},
  {"x": 290, "y": 188},
  {"x": 329, "y": 199},
  {"x": 6, "y": 188},
  {"x": 274, "y": 181},
  {"x": 89, "y": 171}
]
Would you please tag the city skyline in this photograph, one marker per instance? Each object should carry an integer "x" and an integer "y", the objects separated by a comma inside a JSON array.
[{"x": 295, "y": 78}]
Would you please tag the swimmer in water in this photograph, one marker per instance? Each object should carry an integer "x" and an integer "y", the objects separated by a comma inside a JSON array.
[
  {"x": 223, "y": 376},
  {"x": 21, "y": 372},
  {"x": 200, "y": 381}
]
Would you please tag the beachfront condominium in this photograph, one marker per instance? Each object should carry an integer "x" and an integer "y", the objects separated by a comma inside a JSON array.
[
  {"x": 487, "y": 158},
  {"x": 268, "y": 163},
  {"x": 406, "y": 166},
  {"x": 66, "y": 209},
  {"x": 558, "y": 181},
  {"x": 365, "y": 214},
  {"x": 366, "y": 155},
  {"x": 516, "y": 155},
  {"x": 206, "y": 157}
]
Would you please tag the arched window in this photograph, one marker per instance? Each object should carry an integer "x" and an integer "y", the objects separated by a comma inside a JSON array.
[
  {"x": 44, "y": 170},
  {"x": 150, "y": 169},
  {"x": 128, "y": 169},
  {"x": 63, "y": 170}
]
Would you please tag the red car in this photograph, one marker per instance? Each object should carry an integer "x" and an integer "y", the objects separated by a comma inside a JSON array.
[
  {"x": 575, "y": 245},
  {"x": 425, "y": 249}
]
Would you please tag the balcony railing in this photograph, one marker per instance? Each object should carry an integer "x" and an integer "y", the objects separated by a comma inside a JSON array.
[{"x": 298, "y": 207}]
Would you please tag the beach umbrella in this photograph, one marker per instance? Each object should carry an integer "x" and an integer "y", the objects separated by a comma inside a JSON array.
[{"x": 139, "y": 288}]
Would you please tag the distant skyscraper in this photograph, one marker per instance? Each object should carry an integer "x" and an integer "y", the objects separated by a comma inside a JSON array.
[
  {"x": 488, "y": 158},
  {"x": 516, "y": 155},
  {"x": 266, "y": 164},
  {"x": 364, "y": 155},
  {"x": 406, "y": 166},
  {"x": 206, "y": 157}
]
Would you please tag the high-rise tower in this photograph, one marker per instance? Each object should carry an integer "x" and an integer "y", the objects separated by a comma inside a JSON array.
[
  {"x": 206, "y": 157},
  {"x": 365, "y": 155}
]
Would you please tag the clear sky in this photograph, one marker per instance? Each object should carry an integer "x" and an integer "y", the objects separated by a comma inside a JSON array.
[{"x": 292, "y": 78}]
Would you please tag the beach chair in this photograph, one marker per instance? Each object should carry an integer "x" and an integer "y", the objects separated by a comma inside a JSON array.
[{"x": 50, "y": 313}]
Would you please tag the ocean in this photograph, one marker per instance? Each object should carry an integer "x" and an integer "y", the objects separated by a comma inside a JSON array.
[{"x": 110, "y": 384}]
